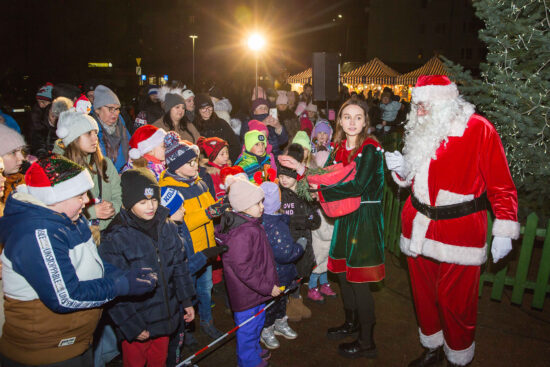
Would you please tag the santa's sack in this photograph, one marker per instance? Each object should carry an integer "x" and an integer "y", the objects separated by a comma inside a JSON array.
[{"x": 336, "y": 174}]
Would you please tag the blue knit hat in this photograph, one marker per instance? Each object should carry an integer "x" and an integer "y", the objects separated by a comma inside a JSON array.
[
  {"x": 171, "y": 199},
  {"x": 178, "y": 152}
]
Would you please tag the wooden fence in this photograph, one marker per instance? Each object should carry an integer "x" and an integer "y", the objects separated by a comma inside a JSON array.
[{"x": 526, "y": 276}]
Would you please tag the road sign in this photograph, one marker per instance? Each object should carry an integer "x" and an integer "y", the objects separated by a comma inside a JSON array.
[
  {"x": 138, "y": 70},
  {"x": 138, "y": 60}
]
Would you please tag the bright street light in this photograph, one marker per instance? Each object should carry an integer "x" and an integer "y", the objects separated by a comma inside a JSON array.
[
  {"x": 193, "y": 37},
  {"x": 256, "y": 42}
]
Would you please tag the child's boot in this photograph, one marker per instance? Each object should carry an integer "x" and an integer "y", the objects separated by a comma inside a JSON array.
[
  {"x": 209, "y": 329},
  {"x": 326, "y": 290},
  {"x": 268, "y": 338},
  {"x": 282, "y": 328},
  {"x": 304, "y": 310},
  {"x": 314, "y": 295},
  {"x": 292, "y": 310}
]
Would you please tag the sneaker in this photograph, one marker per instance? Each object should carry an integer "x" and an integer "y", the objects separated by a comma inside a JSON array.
[
  {"x": 265, "y": 354},
  {"x": 316, "y": 296},
  {"x": 282, "y": 329},
  {"x": 209, "y": 329},
  {"x": 326, "y": 290},
  {"x": 268, "y": 338}
]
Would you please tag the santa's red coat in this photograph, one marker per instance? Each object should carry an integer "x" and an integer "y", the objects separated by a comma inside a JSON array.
[{"x": 470, "y": 163}]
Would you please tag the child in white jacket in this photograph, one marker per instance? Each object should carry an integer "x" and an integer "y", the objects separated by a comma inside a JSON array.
[{"x": 319, "y": 287}]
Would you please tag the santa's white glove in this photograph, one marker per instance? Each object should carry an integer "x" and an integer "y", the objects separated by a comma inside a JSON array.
[
  {"x": 396, "y": 163},
  {"x": 501, "y": 247}
]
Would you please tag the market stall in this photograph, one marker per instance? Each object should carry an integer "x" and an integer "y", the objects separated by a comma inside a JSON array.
[
  {"x": 405, "y": 82},
  {"x": 297, "y": 81},
  {"x": 372, "y": 76}
]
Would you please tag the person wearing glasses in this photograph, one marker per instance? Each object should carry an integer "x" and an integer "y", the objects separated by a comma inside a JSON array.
[
  {"x": 113, "y": 136},
  {"x": 210, "y": 125}
]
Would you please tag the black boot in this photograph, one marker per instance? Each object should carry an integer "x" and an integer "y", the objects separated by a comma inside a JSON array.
[
  {"x": 363, "y": 347},
  {"x": 349, "y": 328},
  {"x": 430, "y": 357}
]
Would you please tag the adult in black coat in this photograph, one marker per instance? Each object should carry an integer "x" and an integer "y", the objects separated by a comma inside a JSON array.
[
  {"x": 210, "y": 125},
  {"x": 43, "y": 134}
]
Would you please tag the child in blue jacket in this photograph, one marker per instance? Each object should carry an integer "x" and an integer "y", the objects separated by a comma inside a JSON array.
[
  {"x": 142, "y": 235},
  {"x": 285, "y": 252}
]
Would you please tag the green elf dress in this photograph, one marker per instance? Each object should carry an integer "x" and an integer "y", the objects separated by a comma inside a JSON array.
[{"x": 357, "y": 246}]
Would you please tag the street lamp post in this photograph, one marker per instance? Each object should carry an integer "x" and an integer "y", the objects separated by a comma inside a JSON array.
[
  {"x": 193, "y": 37},
  {"x": 256, "y": 42}
]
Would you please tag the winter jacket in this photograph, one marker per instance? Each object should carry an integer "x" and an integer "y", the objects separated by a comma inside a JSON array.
[
  {"x": 276, "y": 140},
  {"x": 122, "y": 153},
  {"x": 213, "y": 171},
  {"x": 186, "y": 130},
  {"x": 216, "y": 127},
  {"x": 43, "y": 138},
  {"x": 10, "y": 121},
  {"x": 197, "y": 200},
  {"x": 303, "y": 219},
  {"x": 248, "y": 265},
  {"x": 251, "y": 164},
  {"x": 321, "y": 239},
  {"x": 195, "y": 261},
  {"x": 203, "y": 174},
  {"x": 389, "y": 111},
  {"x": 110, "y": 191},
  {"x": 127, "y": 245},
  {"x": 285, "y": 251},
  {"x": 54, "y": 282}
]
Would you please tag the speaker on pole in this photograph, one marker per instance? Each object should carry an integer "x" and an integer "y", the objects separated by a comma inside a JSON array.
[{"x": 325, "y": 76}]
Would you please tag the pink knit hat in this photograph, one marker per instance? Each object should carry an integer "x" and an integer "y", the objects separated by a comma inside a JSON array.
[{"x": 242, "y": 193}]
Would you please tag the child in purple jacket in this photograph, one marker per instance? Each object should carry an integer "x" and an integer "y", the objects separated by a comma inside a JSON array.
[{"x": 249, "y": 267}]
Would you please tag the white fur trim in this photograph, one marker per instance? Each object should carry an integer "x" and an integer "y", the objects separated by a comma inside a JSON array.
[
  {"x": 431, "y": 341},
  {"x": 506, "y": 228},
  {"x": 430, "y": 93},
  {"x": 445, "y": 197},
  {"x": 460, "y": 357},
  {"x": 398, "y": 180},
  {"x": 444, "y": 252},
  {"x": 67, "y": 189},
  {"x": 419, "y": 229},
  {"x": 147, "y": 145},
  {"x": 134, "y": 153}
]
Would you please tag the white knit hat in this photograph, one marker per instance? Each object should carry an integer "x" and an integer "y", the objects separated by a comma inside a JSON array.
[
  {"x": 11, "y": 140},
  {"x": 72, "y": 124}
]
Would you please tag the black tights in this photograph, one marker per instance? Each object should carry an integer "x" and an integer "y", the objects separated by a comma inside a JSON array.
[{"x": 358, "y": 297}]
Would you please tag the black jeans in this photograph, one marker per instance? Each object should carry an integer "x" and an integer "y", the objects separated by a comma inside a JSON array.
[
  {"x": 275, "y": 312},
  {"x": 357, "y": 296}
]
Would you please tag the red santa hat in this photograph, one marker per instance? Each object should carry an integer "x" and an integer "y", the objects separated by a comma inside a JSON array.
[
  {"x": 55, "y": 178},
  {"x": 431, "y": 88},
  {"x": 144, "y": 140}
]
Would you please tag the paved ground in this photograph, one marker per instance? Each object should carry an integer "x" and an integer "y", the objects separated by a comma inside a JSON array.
[{"x": 506, "y": 336}]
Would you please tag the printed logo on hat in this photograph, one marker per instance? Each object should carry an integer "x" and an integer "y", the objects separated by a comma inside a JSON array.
[
  {"x": 213, "y": 142},
  {"x": 261, "y": 137},
  {"x": 149, "y": 192}
]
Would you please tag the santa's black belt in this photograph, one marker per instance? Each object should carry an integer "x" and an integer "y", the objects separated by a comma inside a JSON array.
[{"x": 450, "y": 211}]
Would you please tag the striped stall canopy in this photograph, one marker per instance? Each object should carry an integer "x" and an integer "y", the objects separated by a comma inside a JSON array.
[
  {"x": 373, "y": 72},
  {"x": 301, "y": 78},
  {"x": 434, "y": 66}
]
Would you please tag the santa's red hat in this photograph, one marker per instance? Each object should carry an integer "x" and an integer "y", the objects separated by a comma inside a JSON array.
[
  {"x": 430, "y": 88},
  {"x": 55, "y": 178},
  {"x": 144, "y": 140},
  {"x": 211, "y": 147}
]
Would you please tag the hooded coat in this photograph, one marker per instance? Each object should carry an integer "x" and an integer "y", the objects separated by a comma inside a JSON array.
[{"x": 248, "y": 265}]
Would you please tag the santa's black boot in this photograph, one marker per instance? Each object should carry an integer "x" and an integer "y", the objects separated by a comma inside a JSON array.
[
  {"x": 350, "y": 327},
  {"x": 430, "y": 357},
  {"x": 363, "y": 347}
]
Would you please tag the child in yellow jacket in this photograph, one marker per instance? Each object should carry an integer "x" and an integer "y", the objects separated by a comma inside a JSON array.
[{"x": 181, "y": 173}]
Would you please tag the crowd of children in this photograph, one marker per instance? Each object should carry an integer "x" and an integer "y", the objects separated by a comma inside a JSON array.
[{"x": 178, "y": 211}]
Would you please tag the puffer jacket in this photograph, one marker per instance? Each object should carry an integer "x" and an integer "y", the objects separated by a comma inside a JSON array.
[
  {"x": 248, "y": 265},
  {"x": 251, "y": 163},
  {"x": 197, "y": 200},
  {"x": 127, "y": 245},
  {"x": 285, "y": 250},
  {"x": 54, "y": 282}
]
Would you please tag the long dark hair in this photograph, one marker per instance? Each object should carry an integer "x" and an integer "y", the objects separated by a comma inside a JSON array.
[
  {"x": 168, "y": 121},
  {"x": 97, "y": 164},
  {"x": 340, "y": 135}
]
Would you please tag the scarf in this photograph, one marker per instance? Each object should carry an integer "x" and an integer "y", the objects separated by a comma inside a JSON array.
[{"x": 114, "y": 136}]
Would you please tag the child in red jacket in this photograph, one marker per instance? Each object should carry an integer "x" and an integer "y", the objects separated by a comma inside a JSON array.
[{"x": 216, "y": 154}]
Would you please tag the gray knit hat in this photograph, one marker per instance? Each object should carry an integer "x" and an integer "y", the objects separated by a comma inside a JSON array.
[
  {"x": 10, "y": 139},
  {"x": 72, "y": 124},
  {"x": 171, "y": 100},
  {"x": 104, "y": 96}
]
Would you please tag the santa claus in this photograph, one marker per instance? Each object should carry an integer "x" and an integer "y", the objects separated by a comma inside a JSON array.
[{"x": 455, "y": 163}]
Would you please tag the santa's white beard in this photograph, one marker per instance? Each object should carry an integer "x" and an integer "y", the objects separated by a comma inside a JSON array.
[{"x": 424, "y": 134}]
